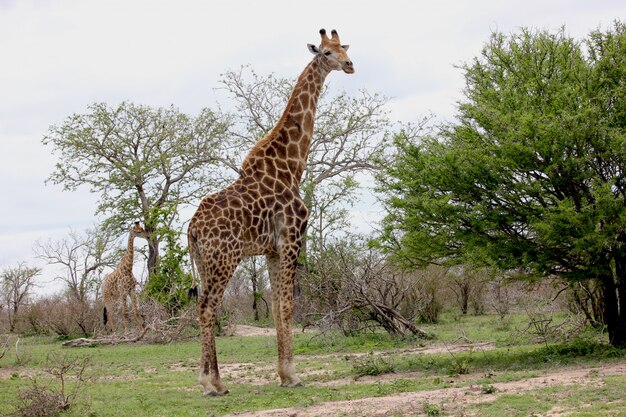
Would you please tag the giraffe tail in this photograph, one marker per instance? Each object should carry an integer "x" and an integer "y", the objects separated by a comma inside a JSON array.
[
  {"x": 105, "y": 317},
  {"x": 192, "y": 293}
]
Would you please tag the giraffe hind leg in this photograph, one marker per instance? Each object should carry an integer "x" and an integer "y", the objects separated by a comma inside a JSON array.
[
  {"x": 282, "y": 309},
  {"x": 108, "y": 314},
  {"x": 125, "y": 315},
  {"x": 213, "y": 287},
  {"x": 209, "y": 371},
  {"x": 133, "y": 301}
]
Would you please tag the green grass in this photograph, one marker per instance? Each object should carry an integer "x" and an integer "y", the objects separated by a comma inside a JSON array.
[
  {"x": 510, "y": 330},
  {"x": 150, "y": 380},
  {"x": 520, "y": 358}
]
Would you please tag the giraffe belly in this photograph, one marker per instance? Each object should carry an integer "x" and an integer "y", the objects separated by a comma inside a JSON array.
[{"x": 254, "y": 245}]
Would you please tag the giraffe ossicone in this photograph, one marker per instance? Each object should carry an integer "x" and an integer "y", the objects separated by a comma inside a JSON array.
[
  {"x": 262, "y": 213},
  {"x": 120, "y": 284}
]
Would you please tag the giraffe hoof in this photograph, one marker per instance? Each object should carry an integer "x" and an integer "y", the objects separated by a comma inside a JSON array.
[
  {"x": 215, "y": 393},
  {"x": 292, "y": 384}
]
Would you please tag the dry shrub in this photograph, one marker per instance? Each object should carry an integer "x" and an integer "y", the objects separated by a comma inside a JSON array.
[
  {"x": 468, "y": 285},
  {"x": 499, "y": 296},
  {"x": 428, "y": 284},
  {"x": 37, "y": 402},
  {"x": 164, "y": 328},
  {"x": 356, "y": 289},
  {"x": 585, "y": 298},
  {"x": 248, "y": 294},
  {"x": 52, "y": 399},
  {"x": 63, "y": 316}
]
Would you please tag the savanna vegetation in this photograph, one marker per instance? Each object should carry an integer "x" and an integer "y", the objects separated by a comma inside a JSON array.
[{"x": 501, "y": 257}]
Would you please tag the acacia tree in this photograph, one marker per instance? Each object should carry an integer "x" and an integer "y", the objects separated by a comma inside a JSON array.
[
  {"x": 139, "y": 159},
  {"x": 16, "y": 285},
  {"x": 531, "y": 177}
]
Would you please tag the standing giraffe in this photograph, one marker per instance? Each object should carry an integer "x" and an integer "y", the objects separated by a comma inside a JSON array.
[
  {"x": 262, "y": 213},
  {"x": 121, "y": 283}
]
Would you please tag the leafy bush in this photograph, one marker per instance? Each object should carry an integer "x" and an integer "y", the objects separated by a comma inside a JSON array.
[
  {"x": 587, "y": 348},
  {"x": 432, "y": 410},
  {"x": 169, "y": 285}
]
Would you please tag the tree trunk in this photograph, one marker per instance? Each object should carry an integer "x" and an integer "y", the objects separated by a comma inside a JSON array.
[
  {"x": 464, "y": 293},
  {"x": 153, "y": 256},
  {"x": 614, "y": 318},
  {"x": 620, "y": 289}
]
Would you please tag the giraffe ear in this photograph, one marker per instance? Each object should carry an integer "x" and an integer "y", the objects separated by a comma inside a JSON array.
[
  {"x": 345, "y": 47},
  {"x": 313, "y": 49}
]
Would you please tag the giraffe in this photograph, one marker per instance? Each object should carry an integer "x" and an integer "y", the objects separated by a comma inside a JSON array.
[
  {"x": 262, "y": 213},
  {"x": 120, "y": 283}
]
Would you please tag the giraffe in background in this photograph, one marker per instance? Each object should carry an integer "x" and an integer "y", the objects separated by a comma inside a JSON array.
[
  {"x": 262, "y": 213},
  {"x": 120, "y": 284}
]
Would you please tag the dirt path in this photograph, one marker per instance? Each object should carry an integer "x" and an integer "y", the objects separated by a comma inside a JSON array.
[{"x": 447, "y": 398}]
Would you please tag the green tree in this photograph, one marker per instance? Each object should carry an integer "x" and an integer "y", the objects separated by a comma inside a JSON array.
[
  {"x": 171, "y": 280},
  {"x": 138, "y": 159},
  {"x": 531, "y": 177}
]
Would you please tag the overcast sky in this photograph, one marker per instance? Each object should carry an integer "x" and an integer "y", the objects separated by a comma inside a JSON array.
[{"x": 57, "y": 57}]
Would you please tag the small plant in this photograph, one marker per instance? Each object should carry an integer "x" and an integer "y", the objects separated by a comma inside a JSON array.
[
  {"x": 432, "y": 410},
  {"x": 459, "y": 367},
  {"x": 487, "y": 389},
  {"x": 372, "y": 365}
]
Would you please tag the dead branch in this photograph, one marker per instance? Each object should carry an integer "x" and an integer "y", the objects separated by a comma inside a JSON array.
[
  {"x": 109, "y": 340},
  {"x": 157, "y": 331},
  {"x": 389, "y": 318},
  {"x": 4, "y": 346}
]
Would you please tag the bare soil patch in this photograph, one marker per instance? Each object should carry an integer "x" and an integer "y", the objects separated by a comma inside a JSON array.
[
  {"x": 18, "y": 372},
  {"x": 244, "y": 330}
]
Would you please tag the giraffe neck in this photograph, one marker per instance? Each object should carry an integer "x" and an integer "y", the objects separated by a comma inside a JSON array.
[
  {"x": 127, "y": 259},
  {"x": 305, "y": 94},
  {"x": 290, "y": 139}
]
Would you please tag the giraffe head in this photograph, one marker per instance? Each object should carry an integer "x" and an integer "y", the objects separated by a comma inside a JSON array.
[
  {"x": 332, "y": 52},
  {"x": 137, "y": 231}
]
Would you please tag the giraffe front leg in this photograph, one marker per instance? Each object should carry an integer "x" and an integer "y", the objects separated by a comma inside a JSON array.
[{"x": 209, "y": 373}]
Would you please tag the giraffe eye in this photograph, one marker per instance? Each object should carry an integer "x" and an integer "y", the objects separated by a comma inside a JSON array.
[{"x": 327, "y": 53}]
